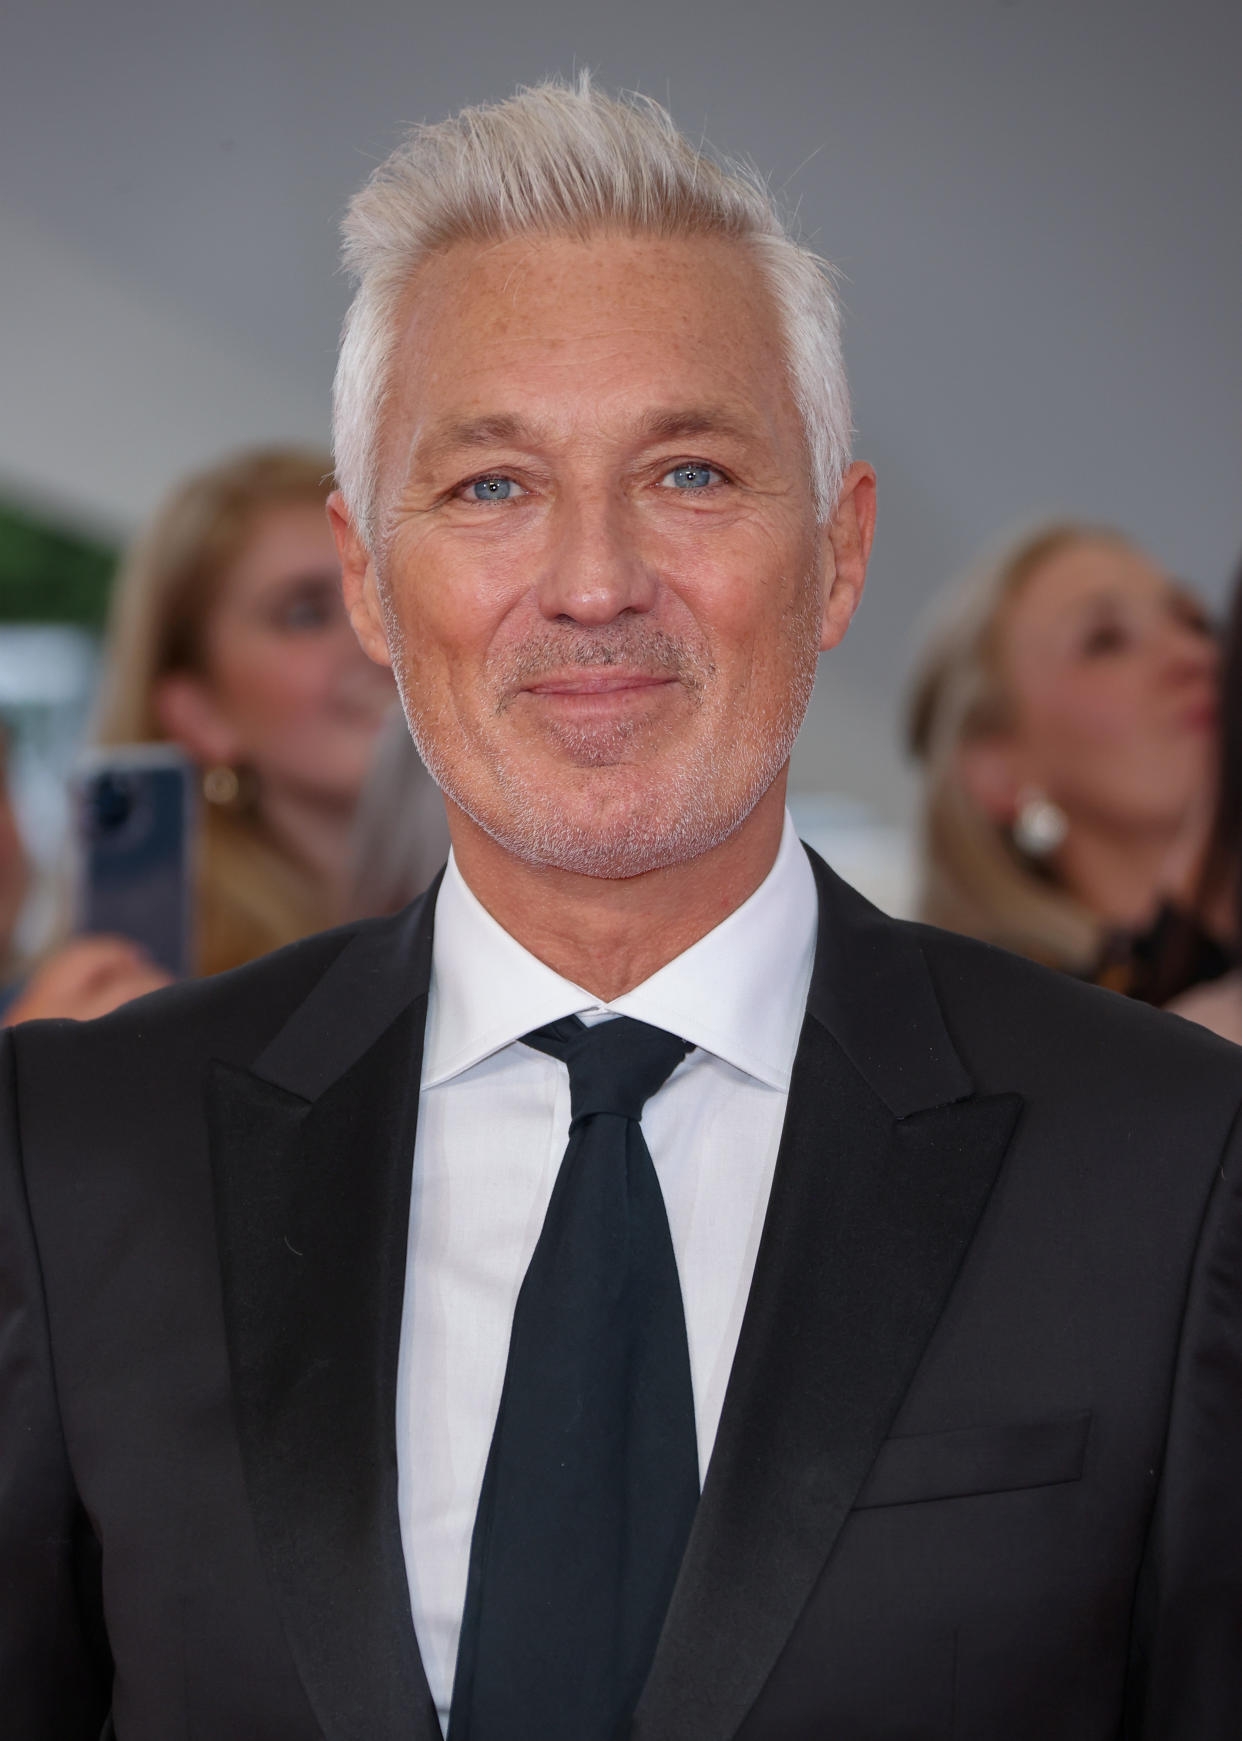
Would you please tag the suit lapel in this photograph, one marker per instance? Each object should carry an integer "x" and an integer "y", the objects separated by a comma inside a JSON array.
[
  {"x": 885, "y": 1167},
  {"x": 312, "y": 1150}
]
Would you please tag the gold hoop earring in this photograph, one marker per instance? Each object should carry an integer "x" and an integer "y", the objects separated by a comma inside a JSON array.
[{"x": 221, "y": 784}]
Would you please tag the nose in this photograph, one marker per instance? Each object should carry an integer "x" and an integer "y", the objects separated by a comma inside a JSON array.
[{"x": 594, "y": 569}]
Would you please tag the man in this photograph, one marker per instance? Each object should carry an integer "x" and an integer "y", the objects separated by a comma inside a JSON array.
[{"x": 373, "y": 1315}]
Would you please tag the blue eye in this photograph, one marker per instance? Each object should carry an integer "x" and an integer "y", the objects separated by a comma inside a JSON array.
[
  {"x": 692, "y": 476},
  {"x": 498, "y": 489}
]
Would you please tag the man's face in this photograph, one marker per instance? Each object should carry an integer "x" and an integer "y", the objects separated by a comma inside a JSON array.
[{"x": 602, "y": 579}]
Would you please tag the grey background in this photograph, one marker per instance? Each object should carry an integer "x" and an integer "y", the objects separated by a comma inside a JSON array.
[{"x": 1036, "y": 207}]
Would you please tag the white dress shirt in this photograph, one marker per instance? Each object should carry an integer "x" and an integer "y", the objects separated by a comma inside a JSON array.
[{"x": 493, "y": 1123}]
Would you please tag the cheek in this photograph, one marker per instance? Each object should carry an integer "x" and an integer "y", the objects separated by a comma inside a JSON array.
[
  {"x": 448, "y": 606},
  {"x": 750, "y": 597},
  {"x": 769, "y": 638},
  {"x": 1102, "y": 746},
  {"x": 444, "y": 662},
  {"x": 273, "y": 686},
  {"x": 1089, "y": 716}
]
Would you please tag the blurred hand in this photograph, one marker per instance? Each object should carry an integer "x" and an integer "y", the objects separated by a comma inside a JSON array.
[{"x": 85, "y": 978}]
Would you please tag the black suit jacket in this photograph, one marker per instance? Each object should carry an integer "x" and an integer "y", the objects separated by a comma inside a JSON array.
[{"x": 979, "y": 1471}]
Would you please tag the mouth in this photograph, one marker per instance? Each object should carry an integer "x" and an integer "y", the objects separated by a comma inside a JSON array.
[
  {"x": 598, "y": 697},
  {"x": 601, "y": 711},
  {"x": 589, "y": 684}
]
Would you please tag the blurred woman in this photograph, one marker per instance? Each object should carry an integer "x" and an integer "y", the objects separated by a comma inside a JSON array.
[
  {"x": 1064, "y": 716},
  {"x": 228, "y": 637}
]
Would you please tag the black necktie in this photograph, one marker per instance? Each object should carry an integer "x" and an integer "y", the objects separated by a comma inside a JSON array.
[{"x": 592, "y": 1478}]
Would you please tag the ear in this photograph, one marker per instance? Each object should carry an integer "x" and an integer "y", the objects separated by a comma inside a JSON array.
[
  {"x": 190, "y": 715},
  {"x": 846, "y": 549},
  {"x": 989, "y": 769},
  {"x": 359, "y": 582}
]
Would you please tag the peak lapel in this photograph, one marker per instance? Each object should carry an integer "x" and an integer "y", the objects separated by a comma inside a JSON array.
[
  {"x": 312, "y": 1152},
  {"x": 885, "y": 1167}
]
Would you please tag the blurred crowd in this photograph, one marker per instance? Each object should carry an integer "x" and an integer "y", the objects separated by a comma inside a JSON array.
[{"x": 1075, "y": 714}]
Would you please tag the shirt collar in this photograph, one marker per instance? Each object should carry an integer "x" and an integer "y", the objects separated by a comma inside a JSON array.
[{"x": 739, "y": 992}]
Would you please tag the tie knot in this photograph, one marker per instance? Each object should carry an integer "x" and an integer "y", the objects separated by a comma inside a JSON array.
[{"x": 614, "y": 1066}]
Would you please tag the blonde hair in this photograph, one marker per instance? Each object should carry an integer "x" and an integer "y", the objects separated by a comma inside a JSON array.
[
  {"x": 975, "y": 879},
  {"x": 566, "y": 160},
  {"x": 251, "y": 896}
]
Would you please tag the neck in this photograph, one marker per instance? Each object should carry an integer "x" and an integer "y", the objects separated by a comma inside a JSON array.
[
  {"x": 1122, "y": 878},
  {"x": 316, "y": 834},
  {"x": 609, "y": 935}
]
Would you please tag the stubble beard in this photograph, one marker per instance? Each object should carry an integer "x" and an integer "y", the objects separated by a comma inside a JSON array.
[{"x": 688, "y": 803}]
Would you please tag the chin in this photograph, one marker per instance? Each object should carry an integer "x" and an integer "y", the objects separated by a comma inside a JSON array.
[
  {"x": 613, "y": 855},
  {"x": 628, "y": 836}
]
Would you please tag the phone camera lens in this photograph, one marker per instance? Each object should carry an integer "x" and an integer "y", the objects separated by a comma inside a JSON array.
[{"x": 112, "y": 802}]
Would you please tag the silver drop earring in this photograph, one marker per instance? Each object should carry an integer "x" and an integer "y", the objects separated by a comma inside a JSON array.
[{"x": 1040, "y": 825}]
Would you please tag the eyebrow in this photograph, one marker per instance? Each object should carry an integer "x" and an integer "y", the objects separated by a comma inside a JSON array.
[
  {"x": 695, "y": 420},
  {"x": 493, "y": 430},
  {"x": 502, "y": 429},
  {"x": 1178, "y": 592}
]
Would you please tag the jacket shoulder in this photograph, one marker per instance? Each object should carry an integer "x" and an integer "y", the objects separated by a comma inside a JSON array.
[
  {"x": 1008, "y": 1013},
  {"x": 229, "y": 1015}
]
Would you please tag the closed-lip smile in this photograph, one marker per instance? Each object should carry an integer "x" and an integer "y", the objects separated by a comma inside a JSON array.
[{"x": 606, "y": 680}]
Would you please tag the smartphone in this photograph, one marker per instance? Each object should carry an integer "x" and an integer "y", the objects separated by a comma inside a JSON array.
[{"x": 136, "y": 809}]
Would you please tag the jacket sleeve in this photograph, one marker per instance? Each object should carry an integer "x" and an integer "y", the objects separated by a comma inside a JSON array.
[
  {"x": 54, "y": 1670},
  {"x": 1186, "y": 1671}
]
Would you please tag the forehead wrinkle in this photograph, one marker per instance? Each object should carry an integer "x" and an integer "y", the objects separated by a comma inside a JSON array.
[{"x": 503, "y": 428}]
